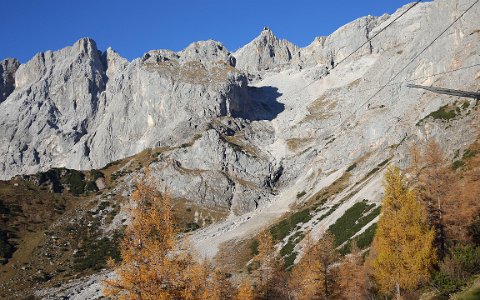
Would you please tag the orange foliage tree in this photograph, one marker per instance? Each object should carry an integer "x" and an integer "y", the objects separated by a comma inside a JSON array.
[
  {"x": 352, "y": 276},
  {"x": 314, "y": 276},
  {"x": 154, "y": 265}
]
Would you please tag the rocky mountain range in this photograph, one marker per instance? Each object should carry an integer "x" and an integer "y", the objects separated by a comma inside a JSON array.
[{"x": 257, "y": 131}]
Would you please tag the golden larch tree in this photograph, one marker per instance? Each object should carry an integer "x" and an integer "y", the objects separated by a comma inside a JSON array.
[
  {"x": 155, "y": 265},
  {"x": 403, "y": 241},
  {"x": 245, "y": 291}
]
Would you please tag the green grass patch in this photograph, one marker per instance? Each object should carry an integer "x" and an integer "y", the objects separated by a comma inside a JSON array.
[
  {"x": 288, "y": 251},
  {"x": 284, "y": 227},
  {"x": 353, "y": 220},
  {"x": 94, "y": 254},
  {"x": 443, "y": 113},
  {"x": 363, "y": 240}
]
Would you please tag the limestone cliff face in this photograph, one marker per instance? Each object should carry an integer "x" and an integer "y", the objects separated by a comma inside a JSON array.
[
  {"x": 242, "y": 127},
  {"x": 8, "y": 67},
  {"x": 80, "y": 108}
]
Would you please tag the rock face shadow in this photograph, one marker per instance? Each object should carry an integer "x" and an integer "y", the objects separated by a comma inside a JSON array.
[{"x": 261, "y": 104}]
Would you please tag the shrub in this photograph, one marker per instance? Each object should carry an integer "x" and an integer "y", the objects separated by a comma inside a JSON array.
[
  {"x": 96, "y": 174},
  {"x": 192, "y": 226},
  {"x": 474, "y": 231},
  {"x": 75, "y": 180},
  {"x": 351, "y": 167},
  {"x": 91, "y": 186},
  {"x": 6, "y": 249},
  {"x": 458, "y": 164},
  {"x": 95, "y": 254},
  {"x": 456, "y": 269},
  {"x": 445, "y": 284},
  {"x": 301, "y": 194},
  {"x": 254, "y": 247}
]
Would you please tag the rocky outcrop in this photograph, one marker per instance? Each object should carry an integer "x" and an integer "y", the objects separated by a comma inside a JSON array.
[
  {"x": 265, "y": 52},
  {"x": 285, "y": 110},
  {"x": 8, "y": 67},
  {"x": 81, "y": 109}
]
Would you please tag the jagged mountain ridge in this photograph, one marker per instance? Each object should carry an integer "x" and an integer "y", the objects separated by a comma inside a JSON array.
[
  {"x": 234, "y": 123},
  {"x": 263, "y": 131}
]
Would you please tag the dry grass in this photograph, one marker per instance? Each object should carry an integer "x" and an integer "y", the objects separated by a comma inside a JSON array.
[
  {"x": 234, "y": 256},
  {"x": 321, "y": 109},
  {"x": 336, "y": 187},
  {"x": 239, "y": 143},
  {"x": 193, "y": 72},
  {"x": 297, "y": 144}
]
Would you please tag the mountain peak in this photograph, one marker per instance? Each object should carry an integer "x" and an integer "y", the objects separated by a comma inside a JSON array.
[
  {"x": 264, "y": 52},
  {"x": 266, "y": 33}
]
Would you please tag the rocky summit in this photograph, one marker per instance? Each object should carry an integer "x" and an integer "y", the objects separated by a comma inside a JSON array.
[{"x": 258, "y": 131}]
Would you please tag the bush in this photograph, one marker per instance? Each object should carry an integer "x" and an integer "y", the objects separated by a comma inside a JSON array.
[
  {"x": 254, "y": 247},
  {"x": 75, "y": 180},
  {"x": 91, "y": 186},
  {"x": 96, "y": 174},
  {"x": 363, "y": 240},
  {"x": 456, "y": 269},
  {"x": 95, "y": 253},
  {"x": 458, "y": 164},
  {"x": 445, "y": 284},
  {"x": 192, "y": 226},
  {"x": 301, "y": 194},
  {"x": 474, "y": 231},
  {"x": 351, "y": 167},
  {"x": 6, "y": 249}
]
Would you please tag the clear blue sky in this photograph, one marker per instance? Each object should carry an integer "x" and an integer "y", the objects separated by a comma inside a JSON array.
[{"x": 132, "y": 27}]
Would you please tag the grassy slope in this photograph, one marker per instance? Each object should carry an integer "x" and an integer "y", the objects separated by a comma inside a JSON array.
[{"x": 58, "y": 235}]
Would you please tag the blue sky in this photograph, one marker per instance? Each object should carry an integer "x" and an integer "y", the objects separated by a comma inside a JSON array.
[{"x": 132, "y": 27}]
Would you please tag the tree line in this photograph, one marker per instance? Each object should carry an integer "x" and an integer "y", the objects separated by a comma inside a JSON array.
[{"x": 428, "y": 235}]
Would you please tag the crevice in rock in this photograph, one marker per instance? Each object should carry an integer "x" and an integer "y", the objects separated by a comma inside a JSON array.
[{"x": 8, "y": 68}]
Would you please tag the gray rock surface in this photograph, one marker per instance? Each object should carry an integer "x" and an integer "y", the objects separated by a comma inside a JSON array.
[
  {"x": 250, "y": 131},
  {"x": 265, "y": 52},
  {"x": 244, "y": 126},
  {"x": 8, "y": 67}
]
